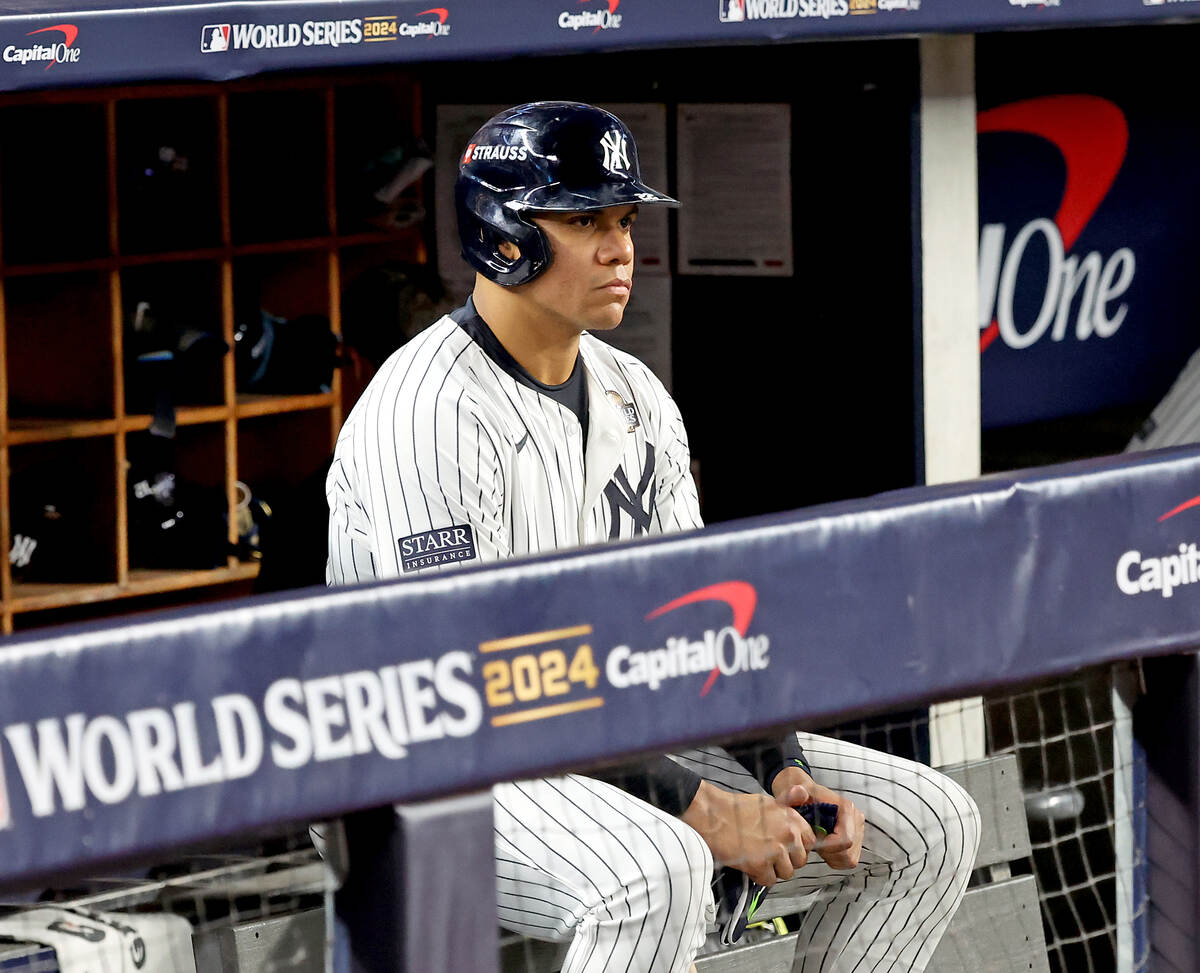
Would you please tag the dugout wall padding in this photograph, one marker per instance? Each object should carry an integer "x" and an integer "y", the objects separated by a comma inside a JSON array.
[{"x": 196, "y": 725}]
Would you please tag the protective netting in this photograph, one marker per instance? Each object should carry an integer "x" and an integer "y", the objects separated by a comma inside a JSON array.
[{"x": 1073, "y": 739}]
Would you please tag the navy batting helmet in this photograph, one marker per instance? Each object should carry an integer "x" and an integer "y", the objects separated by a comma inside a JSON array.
[{"x": 552, "y": 156}]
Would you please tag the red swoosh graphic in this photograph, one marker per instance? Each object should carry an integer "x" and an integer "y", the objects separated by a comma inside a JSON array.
[
  {"x": 70, "y": 31},
  {"x": 1187, "y": 504},
  {"x": 738, "y": 595},
  {"x": 612, "y": 9},
  {"x": 442, "y": 13},
  {"x": 1093, "y": 137}
]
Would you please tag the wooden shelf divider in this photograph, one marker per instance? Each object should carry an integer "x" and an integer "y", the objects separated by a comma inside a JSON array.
[
  {"x": 211, "y": 254},
  {"x": 117, "y": 337},
  {"x": 228, "y": 324}
]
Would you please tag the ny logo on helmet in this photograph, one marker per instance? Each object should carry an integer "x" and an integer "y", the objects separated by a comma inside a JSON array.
[{"x": 616, "y": 152}]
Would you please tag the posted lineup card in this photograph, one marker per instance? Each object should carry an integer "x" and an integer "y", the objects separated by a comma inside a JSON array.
[{"x": 735, "y": 184}]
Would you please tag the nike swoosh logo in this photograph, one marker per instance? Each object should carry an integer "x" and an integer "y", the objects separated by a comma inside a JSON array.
[{"x": 524, "y": 440}]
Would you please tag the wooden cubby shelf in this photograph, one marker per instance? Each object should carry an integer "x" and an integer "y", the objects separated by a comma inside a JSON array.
[
  {"x": 44, "y": 596},
  {"x": 249, "y": 406},
  {"x": 101, "y": 264},
  {"x": 52, "y": 430},
  {"x": 197, "y": 210}
]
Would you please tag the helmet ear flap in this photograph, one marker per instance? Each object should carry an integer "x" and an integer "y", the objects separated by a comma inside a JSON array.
[
  {"x": 532, "y": 259},
  {"x": 494, "y": 241},
  {"x": 482, "y": 241},
  {"x": 484, "y": 223}
]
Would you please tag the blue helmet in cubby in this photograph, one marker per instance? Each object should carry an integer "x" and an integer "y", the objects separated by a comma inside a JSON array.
[{"x": 548, "y": 156}]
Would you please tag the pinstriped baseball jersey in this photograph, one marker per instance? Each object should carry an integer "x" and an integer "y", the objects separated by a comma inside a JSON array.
[{"x": 450, "y": 457}]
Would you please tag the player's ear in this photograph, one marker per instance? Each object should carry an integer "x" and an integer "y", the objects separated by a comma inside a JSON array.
[{"x": 509, "y": 250}]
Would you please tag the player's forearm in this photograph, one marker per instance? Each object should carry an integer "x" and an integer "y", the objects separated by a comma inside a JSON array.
[
  {"x": 764, "y": 759},
  {"x": 699, "y": 809},
  {"x": 659, "y": 781}
]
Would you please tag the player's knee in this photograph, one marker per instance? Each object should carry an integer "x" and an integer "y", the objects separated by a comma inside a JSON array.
[
  {"x": 951, "y": 821},
  {"x": 700, "y": 868},
  {"x": 677, "y": 881},
  {"x": 693, "y": 877},
  {"x": 971, "y": 823},
  {"x": 927, "y": 817}
]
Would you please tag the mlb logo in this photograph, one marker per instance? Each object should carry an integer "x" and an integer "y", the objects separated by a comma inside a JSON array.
[
  {"x": 213, "y": 38},
  {"x": 732, "y": 11}
]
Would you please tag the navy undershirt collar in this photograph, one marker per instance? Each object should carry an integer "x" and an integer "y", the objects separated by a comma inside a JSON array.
[{"x": 572, "y": 393}]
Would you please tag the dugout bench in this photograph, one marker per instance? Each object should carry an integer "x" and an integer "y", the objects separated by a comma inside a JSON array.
[{"x": 262, "y": 915}]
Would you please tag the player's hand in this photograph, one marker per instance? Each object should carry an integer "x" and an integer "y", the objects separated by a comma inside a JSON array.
[
  {"x": 841, "y": 848},
  {"x": 764, "y": 838}
]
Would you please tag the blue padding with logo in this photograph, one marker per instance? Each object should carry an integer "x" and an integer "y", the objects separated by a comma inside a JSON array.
[
  {"x": 190, "y": 725},
  {"x": 110, "y": 41}
]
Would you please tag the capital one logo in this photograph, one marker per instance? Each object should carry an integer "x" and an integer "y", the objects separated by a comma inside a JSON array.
[
  {"x": 55, "y": 52},
  {"x": 616, "y": 151},
  {"x": 431, "y": 29},
  {"x": 1093, "y": 136},
  {"x": 604, "y": 19},
  {"x": 1162, "y": 573},
  {"x": 749, "y": 652},
  {"x": 728, "y": 651}
]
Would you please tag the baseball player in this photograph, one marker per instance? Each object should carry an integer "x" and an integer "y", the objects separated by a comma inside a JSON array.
[{"x": 507, "y": 429}]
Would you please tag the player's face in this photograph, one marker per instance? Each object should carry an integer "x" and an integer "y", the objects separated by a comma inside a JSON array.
[{"x": 591, "y": 271}]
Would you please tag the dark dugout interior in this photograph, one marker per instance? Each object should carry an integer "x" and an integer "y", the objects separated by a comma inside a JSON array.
[{"x": 795, "y": 390}]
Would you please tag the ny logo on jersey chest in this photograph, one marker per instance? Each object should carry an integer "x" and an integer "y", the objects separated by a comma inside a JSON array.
[{"x": 638, "y": 504}]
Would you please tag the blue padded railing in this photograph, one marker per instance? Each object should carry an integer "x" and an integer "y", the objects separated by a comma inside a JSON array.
[{"x": 123, "y": 740}]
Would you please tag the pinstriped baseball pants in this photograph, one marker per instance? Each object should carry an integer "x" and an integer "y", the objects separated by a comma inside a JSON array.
[{"x": 578, "y": 860}]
